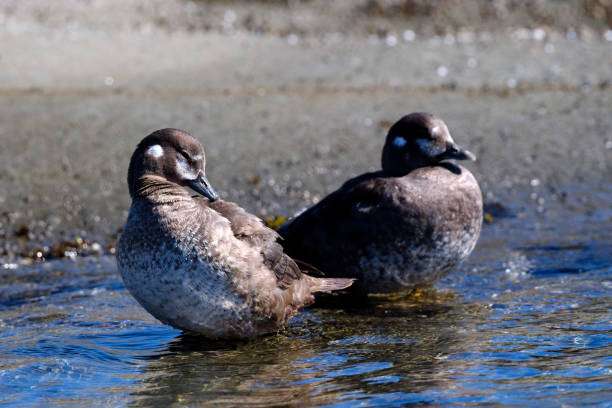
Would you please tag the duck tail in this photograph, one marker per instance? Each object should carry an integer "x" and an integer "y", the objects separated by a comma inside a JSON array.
[
  {"x": 327, "y": 284},
  {"x": 307, "y": 268}
]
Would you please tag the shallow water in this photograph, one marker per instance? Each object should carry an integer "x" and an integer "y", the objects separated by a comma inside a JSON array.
[{"x": 527, "y": 320}]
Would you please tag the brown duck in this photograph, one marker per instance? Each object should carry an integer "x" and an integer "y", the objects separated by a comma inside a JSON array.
[
  {"x": 404, "y": 226},
  {"x": 199, "y": 263}
]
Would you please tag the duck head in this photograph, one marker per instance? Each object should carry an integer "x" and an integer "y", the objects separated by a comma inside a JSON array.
[
  {"x": 174, "y": 155},
  {"x": 418, "y": 140}
]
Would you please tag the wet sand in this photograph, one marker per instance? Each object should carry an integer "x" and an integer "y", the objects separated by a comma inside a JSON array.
[{"x": 286, "y": 118}]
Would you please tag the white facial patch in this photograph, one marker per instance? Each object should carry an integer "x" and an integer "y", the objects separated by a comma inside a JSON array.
[
  {"x": 155, "y": 151},
  {"x": 183, "y": 169},
  {"x": 435, "y": 131},
  {"x": 399, "y": 142},
  {"x": 430, "y": 148},
  {"x": 197, "y": 157}
]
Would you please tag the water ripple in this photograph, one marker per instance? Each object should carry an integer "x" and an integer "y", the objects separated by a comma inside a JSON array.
[{"x": 527, "y": 320}]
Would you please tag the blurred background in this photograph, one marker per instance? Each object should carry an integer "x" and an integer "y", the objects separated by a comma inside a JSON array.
[{"x": 290, "y": 99}]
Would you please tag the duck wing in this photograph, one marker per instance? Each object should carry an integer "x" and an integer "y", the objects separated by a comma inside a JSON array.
[
  {"x": 340, "y": 224},
  {"x": 245, "y": 226},
  {"x": 250, "y": 229}
]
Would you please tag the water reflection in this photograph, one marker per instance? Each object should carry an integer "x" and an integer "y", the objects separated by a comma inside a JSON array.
[
  {"x": 527, "y": 320},
  {"x": 327, "y": 352}
]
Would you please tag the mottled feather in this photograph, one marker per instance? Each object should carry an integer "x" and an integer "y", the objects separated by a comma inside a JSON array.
[
  {"x": 251, "y": 229},
  {"x": 404, "y": 226},
  {"x": 199, "y": 264}
]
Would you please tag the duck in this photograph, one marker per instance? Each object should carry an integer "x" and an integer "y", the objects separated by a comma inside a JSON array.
[
  {"x": 197, "y": 262},
  {"x": 399, "y": 228}
]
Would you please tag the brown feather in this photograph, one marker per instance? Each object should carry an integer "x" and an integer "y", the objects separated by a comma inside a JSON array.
[{"x": 251, "y": 229}]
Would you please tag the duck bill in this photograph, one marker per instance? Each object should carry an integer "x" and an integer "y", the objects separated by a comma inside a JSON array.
[
  {"x": 453, "y": 151},
  {"x": 201, "y": 185}
]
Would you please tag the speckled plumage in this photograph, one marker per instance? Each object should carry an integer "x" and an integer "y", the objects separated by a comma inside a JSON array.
[
  {"x": 201, "y": 265},
  {"x": 403, "y": 227}
]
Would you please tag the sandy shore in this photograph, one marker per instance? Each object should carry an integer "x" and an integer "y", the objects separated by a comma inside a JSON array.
[{"x": 285, "y": 115}]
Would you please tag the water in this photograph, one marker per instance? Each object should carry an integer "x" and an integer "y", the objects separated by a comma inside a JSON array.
[{"x": 527, "y": 320}]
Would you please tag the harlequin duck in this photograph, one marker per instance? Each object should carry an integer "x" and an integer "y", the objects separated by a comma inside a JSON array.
[
  {"x": 200, "y": 263},
  {"x": 402, "y": 227}
]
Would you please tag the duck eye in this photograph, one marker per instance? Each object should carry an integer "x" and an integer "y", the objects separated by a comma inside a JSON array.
[
  {"x": 185, "y": 156},
  {"x": 184, "y": 168},
  {"x": 429, "y": 147},
  {"x": 182, "y": 161}
]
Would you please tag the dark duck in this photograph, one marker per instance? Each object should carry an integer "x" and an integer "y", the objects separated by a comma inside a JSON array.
[
  {"x": 399, "y": 228},
  {"x": 200, "y": 263}
]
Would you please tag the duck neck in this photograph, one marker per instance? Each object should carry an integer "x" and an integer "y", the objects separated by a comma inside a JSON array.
[
  {"x": 394, "y": 165},
  {"x": 395, "y": 168},
  {"x": 158, "y": 190}
]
